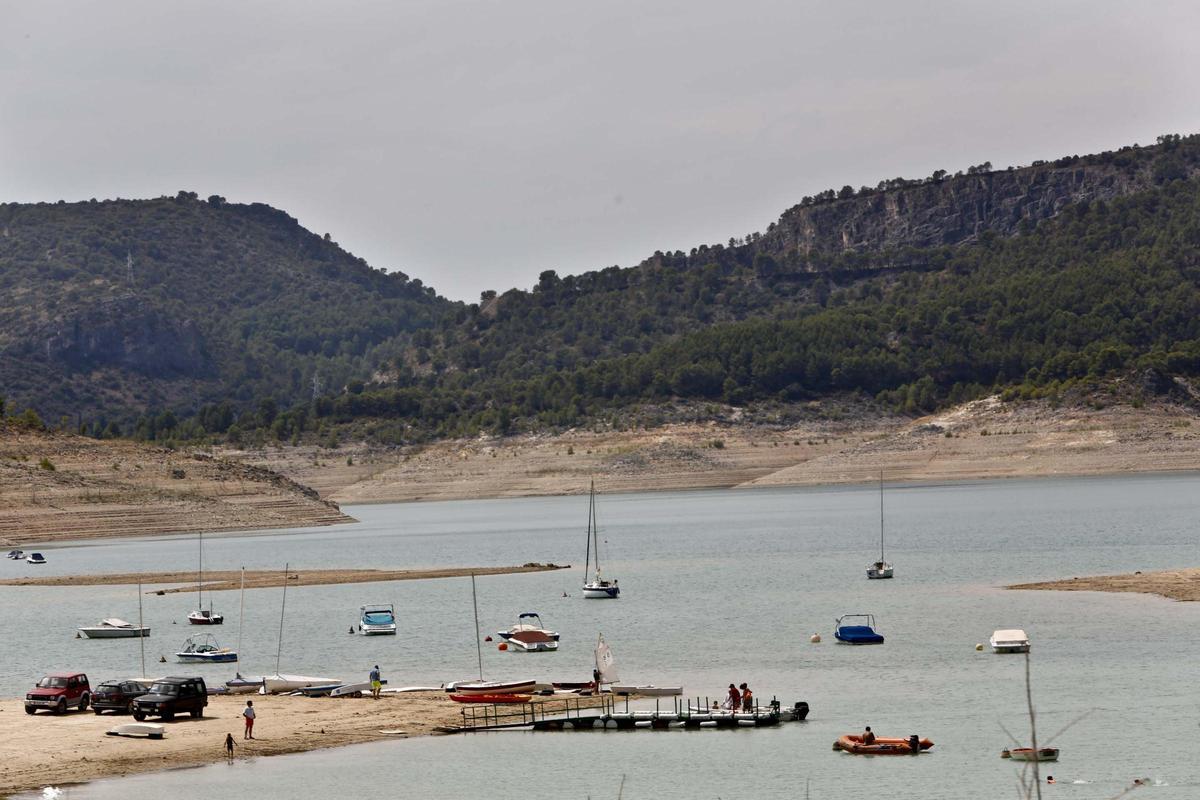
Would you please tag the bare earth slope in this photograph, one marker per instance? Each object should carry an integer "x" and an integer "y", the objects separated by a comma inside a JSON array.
[
  {"x": 57, "y": 486},
  {"x": 981, "y": 439}
]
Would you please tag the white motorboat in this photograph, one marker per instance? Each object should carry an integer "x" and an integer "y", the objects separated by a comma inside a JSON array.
[
  {"x": 204, "y": 649},
  {"x": 202, "y": 615},
  {"x": 16, "y": 555},
  {"x": 377, "y": 620},
  {"x": 529, "y": 635},
  {"x": 490, "y": 687},
  {"x": 1009, "y": 640},
  {"x": 113, "y": 628},
  {"x": 597, "y": 588},
  {"x": 881, "y": 568},
  {"x": 138, "y": 730},
  {"x": 278, "y": 684},
  {"x": 35, "y": 558}
]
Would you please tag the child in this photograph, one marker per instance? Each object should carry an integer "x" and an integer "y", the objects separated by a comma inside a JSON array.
[
  {"x": 248, "y": 713},
  {"x": 229, "y": 746}
]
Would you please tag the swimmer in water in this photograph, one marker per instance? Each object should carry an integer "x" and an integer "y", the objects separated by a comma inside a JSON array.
[{"x": 1050, "y": 779}]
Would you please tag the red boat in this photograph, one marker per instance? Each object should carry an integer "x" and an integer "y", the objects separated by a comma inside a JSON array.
[
  {"x": 491, "y": 698},
  {"x": 882, "y": 746}
]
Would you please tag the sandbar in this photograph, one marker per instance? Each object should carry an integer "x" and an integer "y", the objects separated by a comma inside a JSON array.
[{"x": 1175, "y": 584}]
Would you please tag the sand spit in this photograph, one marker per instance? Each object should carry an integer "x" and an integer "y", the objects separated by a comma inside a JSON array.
[
  {"x": 42, "y": 750},
  {"x": 225, "y": 580},
  {"x": 1176, "y": 584},
  {"x": 59, "y": 487}
]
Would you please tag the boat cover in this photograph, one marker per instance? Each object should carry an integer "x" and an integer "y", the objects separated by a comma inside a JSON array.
[{"x": 858, "y": 634}]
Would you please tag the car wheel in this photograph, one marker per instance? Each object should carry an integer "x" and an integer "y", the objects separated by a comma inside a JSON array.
[
  {"x": 197, "y": 713},
  {"x": 96, "y": 711},
  {"x": 168, "y": 716},
  {"x": 139, "y": 716},
  {"x": 130, "y": 707},
  {"x": 61, "y": 707},
  {"x": 83, "y": 702},
  {"x": 30, "y": 710}
]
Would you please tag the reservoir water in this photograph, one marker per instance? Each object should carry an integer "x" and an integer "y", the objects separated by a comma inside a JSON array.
[{"x": 718, "y": 587}]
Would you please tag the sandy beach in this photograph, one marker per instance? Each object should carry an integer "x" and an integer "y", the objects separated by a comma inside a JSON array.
[
  {"x": 224, "y": 580},
  {"x": 1175, "y": 584},
  {"x": 48, "y": 750}
]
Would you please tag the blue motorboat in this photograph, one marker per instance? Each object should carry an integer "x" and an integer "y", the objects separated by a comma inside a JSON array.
[{"x": 856, "y": 629}]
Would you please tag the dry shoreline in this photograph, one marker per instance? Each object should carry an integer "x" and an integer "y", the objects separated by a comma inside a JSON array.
[
  {"x": 45, "y": 750},
  {"x": 229, "y": 580},
  {"x": 1175, "y": 584}
]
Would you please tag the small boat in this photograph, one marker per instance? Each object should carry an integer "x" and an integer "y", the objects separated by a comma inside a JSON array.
[
  {"x": 881, "y": 568},
  {"x": 357, "y": 689},
  {"x": 279, "y": 684},
  {"x": 597, "y": 588},
  {"x": 1026, "y": 753},
  {"x": 114, "y": 628},
  {"x": 882, "y": 746},
  {"x": 648, "y": 691},
  {"x": 498, "y": 699},
  {"x": 324, "y": 690},
  {"x": 491, "y": 687},
  {"x": 204, "y": 649},
  {"x": 35, "y": 558},
  {"x": 405, "y": 689},
  {"x": 529, "y": 635},
  {"x": 573, "y": 686},
  {"x": 16, "y": 555},
  {"x": 377, "y": 620},
  {"x": 138, "y": 730},
  {"x": 202, "y": 615},
  {"x": 241, "y": 685},
  {"x": 862, "y": 633},
  {"x": 1009, "y": 640}
]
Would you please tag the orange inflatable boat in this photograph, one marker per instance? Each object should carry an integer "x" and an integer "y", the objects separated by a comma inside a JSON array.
[{"x": 882, "y": 746}]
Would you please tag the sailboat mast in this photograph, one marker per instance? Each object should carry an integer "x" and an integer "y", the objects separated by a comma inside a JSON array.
[
  {"x": 242, "y": 612},
  {"x": 595, "y": 526},
  {"x": 587, "y": 560},
  {"x": 478, "y": 646},
  {"x": 881, "y": 515},
  {"x": 142, "y": 629},
  {"x": 282, "y": 608},
  {"x": 200, "y": 573}
]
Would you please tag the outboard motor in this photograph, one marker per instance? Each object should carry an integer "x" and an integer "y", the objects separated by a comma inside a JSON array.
[
  {"x": 801, "y": 710},
  {"x": 914, "y": 744}
]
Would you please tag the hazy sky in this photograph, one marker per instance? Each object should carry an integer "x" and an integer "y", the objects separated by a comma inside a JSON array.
[{"x": 473, "y": 145}]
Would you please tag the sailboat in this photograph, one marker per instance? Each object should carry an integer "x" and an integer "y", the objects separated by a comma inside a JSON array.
[
  {"x": 241, "y": 684},
  {"x": 201, "y": 616},
  {"x": 279, "y": 682},
  {"x": 597, "y": 588},
  {"x": 494, "y": 691},
  {"x": 881, "y": 568}
]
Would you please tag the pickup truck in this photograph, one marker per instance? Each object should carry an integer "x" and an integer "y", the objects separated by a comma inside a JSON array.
[{"x": 58, "y": 691}]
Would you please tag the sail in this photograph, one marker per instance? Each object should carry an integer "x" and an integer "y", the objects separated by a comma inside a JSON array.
[{"x": 606, "y": 667}]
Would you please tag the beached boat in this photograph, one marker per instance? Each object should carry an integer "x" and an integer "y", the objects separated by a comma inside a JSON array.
[
  {"x": 35, "y": 558},
  {"x": 113, "y": 628},
  {"x": 491, "y": 687},
  {"x": 204, "y": 649},
  {"x": 597, "y": 588},
  {"x": 881, "y": 568},
  {"x": 648, "y": 691},
  {"x": 882, "y": 746},
  {"x": 202, "y": 615},
  {"x": 356, "y": 689},
  {"x": 529, "y": 635},
  {"x": 321, "y": 690},
  {"x": 138, "y": 730},
  {"x": 1009, "y": 640},
  {"x": 1026, "y": 754},
  {"x": 16, "y": 555},
  {"x": 498, "y": 699},
  {"x": 377, "y": 620},
  {"x": 244, "y": 685},
  {"x": 278, "y": 684},
  {"x": 856, "y": 629}
]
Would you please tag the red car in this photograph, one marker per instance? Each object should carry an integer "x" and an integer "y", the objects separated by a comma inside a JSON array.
[{"x": 59, "y": 691}]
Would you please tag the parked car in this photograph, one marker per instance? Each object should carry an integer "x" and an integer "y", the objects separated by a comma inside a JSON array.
[
  {"x": 58, "y": 691},
  {"x": 170, "y": 696},
  {"x": 118, "y": 696}
]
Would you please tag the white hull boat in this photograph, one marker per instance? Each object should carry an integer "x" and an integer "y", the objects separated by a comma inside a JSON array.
[
  {"x": 529, "y": 635},
  {"x": 240, "y": 685},
  {"x": 202, "y": 615},
  {"x": 114, "y": 628},
  {"x": 138, "y": 730},
  {"x": 881, "y": 569},
  {"x": 597, "y": 588},
  {"x": 377, "y": 620},
  {"x": 491, "y": 687},
  {"x": 205, "y": 650},
  {"x": 1011, "y": 640},
  {"x": 36, "y": 558},
  {"x": 648, "y": 691},
  {"x": 278, "y": 684},
  {"x": 355, "y": 689}
]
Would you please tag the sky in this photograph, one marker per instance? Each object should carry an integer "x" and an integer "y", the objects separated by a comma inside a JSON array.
[{"x": 474, "y": 145}]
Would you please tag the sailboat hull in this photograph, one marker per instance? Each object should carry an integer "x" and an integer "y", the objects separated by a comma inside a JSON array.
[
  {"x": 205, "y": 618},
  {"x": 879, "y": 574},
  {"x": 591, "y": 592}
]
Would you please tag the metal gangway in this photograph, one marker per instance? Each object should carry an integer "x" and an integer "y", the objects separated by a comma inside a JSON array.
[{"x": 490, "y": 716}]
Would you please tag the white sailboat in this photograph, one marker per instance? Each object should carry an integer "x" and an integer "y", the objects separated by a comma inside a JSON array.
[
  {"x": 202, "y": 616},
  {"x": 881, "y": 568},
  {"x": 597, "y": 588},
  {"x": 280, "y": 682}
]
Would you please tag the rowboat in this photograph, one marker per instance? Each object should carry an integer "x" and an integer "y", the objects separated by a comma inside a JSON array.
[
  {"x": 491, "y": 698},
  {"x": 882, "y": 746},
  {"x": 138, "y": 730},
  {"x": 1026, "y": 754}
]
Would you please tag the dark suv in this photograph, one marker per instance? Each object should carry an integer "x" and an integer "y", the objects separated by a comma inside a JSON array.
[
  {"x": 118, "y": 696},
  {"x": 170, "y": 696}
]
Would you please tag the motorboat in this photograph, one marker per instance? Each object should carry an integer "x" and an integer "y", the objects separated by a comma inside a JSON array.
[
  {"x": 377, "y": 620},
  {"x": 882, "y": 746},
  {"x": 856, "y": 629},
  {"x": 202, "y": 615},
  {"x": 35, "y": 558},
  {"x": 597, "y": 588},
  {"x": 1009, "y": 640},
  {"x": 204, "y": 649},
  {"x": 881, "y": 568},
  {"x": 529, "y": 635},
  {"x": 138, "y": 730},
  {"x": 647, "y": 691},
  {"x": 279, "y": 684},
  {"x": 491, "y": 687},
  {"x": 114, "y": 628},
  {"x": 16, "y": 555},
  {"x": 1027, "y": 754}
]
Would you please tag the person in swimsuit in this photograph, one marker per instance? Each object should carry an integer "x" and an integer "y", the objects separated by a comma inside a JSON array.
[
  {"x": 868, "y": 736},
  {"x": 248, "y": 713},
  {"x": 747, "y": 698}
]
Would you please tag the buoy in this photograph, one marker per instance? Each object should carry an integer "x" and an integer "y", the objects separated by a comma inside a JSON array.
[
  {"x": 978, "y": 647},
  {"x": 502, "y": 646},
  {"x": 815, "y": 638},
  {"x": 487, "y": 638},
  {"x": 162, "y": 659}
]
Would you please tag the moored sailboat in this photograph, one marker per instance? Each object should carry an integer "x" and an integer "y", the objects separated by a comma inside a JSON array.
[
  {"x": 597, "y": 588},
  {"x": 881, "y": 568},
  {"x": 202, "y": 615}
]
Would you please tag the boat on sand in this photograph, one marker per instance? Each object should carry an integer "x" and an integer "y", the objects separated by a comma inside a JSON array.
[{"x": 497, "y": 699}]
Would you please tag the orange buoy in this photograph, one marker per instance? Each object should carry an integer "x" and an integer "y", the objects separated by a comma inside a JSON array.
[
  {"x": 487, "y": 638},
  {"x": 502, "y": 646}
]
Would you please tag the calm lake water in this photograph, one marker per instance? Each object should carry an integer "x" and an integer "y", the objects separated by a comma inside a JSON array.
[{"x": 718, "y": 587}]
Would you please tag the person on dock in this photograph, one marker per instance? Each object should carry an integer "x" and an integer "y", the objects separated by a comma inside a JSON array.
[
  {"x": 868, "y": 736},
  {"x": 735, "y": 698},
  {"x": 376, "y": 682},
  {"x": 229, "y": 746},
  {"x": 747, "y": 698},
  {"x": 249, "y": 714}
]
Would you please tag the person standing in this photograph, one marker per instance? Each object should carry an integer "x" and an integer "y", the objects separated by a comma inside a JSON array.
[
  {"x": 747, "y": 699},
  {"x": 229, "y": 746},
  {"x": 248, "y": 714},
  {"x": 735, "y": 698},
  {"x": 376, "y": 682}
]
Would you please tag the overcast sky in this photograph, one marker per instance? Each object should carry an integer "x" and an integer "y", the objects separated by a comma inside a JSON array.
[{"x": 473, "y": 145}]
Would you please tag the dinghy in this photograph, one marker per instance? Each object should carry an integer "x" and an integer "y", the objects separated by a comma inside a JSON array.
[
  {"x": 279, "y": 684},
  {"x": 138, "y": 730},
  {"x": 356, "y": 689},
  {"x": 491, "y": 687},
  {"x": 882, "y": 746},
  {"x": 497, "y": 699},
  {"x": 1026, "y": 754}
]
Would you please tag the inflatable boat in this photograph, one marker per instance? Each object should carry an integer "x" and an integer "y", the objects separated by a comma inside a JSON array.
[{"x": 882, "y": 746}]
